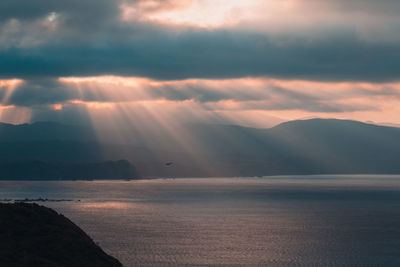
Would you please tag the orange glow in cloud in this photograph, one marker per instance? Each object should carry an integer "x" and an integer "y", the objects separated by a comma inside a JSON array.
[
  {"x": 93, "y": 105},
  {"x": 10, "y": 83},
  {"x": 204, "y": 13},
  {"x": 277, "y": 18},
  {"x": 57, "y": 107},
  {"x": 126, "y": 81},
  {"x": 251, "y": 15},
  {"x": 261, "y": 98}
]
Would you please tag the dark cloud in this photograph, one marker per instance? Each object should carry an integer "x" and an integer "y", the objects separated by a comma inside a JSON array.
[
  {"x": 386, "y": 7},
  {"x": 200, "y": 93},
  {"x": 206, "y": 54},
  {"x": 91, "y": 39},
  {"x": 78, "y": 12},
  {"x": 41, "y": 92},
  {"x": 70, "y": 114}
]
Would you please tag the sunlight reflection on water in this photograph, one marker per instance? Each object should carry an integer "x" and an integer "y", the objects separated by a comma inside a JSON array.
[{"x": 104, "y": 205}]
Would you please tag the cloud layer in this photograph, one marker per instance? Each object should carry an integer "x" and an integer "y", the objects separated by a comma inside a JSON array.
[
  {"x": 228, "y": 96},
  {"x": 336, "y": 42},
  {"x": 315, "y": 57}
]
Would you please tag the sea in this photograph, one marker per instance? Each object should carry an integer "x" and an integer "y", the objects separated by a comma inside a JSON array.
[{"x": 259, "y": 221}]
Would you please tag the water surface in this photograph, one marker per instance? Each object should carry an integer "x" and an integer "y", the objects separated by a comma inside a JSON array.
[{"x": 275, "y": 221}]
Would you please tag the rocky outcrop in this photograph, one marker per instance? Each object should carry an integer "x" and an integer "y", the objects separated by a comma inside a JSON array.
[{"x": 33, "y": 235}]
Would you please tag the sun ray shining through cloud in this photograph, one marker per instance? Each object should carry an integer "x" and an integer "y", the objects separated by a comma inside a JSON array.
[
  {"x": 279, "y": 97},
  {"x": 7, "y": 87},
  {"x": 15, "y": 115},
  {"x": 220, "y": 99}
]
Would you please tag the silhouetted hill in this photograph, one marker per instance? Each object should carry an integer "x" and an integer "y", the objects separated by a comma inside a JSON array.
[
  {"x": 43, "y": 170},
  {"x": 340, "y": 146},
  {"x": 33, "y": 235},
  {"x": 52, "y": 150},
  {"x": 332, "y": 127}
]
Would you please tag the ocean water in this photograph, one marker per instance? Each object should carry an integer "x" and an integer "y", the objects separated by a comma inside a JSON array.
[{"x": 275, "y": 221}]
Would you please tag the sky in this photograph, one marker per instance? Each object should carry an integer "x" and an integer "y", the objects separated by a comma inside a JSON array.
[{"x": 255, "y": 63}]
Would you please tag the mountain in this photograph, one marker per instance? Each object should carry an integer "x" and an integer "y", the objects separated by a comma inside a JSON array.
[
  {"x": 315, "y": 146},
  {"x": 43, "y": 170},
  {"x": 45, "y": 131},
  {"x": 340, "y": 146},
  {"x": 51, "y": 150}
]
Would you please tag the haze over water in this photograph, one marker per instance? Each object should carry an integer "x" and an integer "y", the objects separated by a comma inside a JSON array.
[{"x": 277, "y": 221}]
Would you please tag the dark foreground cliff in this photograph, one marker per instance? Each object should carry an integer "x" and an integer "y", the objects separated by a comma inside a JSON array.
[{"x": 33, "y": 235}]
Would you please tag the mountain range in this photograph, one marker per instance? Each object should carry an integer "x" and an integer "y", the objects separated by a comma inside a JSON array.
[{"x": 317, "y": 146}]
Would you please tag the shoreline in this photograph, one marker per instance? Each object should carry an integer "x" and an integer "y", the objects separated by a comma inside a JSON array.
[{"x": 291, "y": 176}]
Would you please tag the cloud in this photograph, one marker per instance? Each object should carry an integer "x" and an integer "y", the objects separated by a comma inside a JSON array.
[
  {"x": 40, "y": 92},
  {"x": 222, "y": 56},
  {"x": 384, "y": 7},
  {"x": 223, "y": 13},
  {"x": 77, "y": 12},
  {"x": 210, "y": 94},
  {"x": 204, "y": 54},
  {"x": 61, "y": 38},
  {"x": 248, "y": 101}
]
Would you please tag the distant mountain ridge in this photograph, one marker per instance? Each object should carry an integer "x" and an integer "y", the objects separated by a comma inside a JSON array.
[
  {"x": 45, "y": 131},
  {"x": 342, "y": 146},
  {"x": 314, "y": 146}
]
